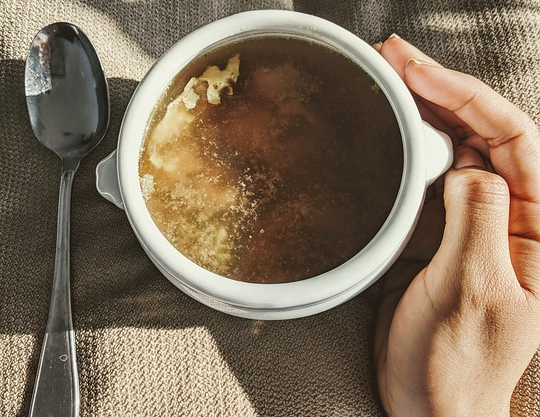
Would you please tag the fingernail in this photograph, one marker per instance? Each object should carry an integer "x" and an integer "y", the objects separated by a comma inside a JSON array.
[
  {"x": 394, "y": 36},
  {"x": 467, "y": 157},
  {"x": 417, "y": 61},
  {"x": 377, "y": 46}
]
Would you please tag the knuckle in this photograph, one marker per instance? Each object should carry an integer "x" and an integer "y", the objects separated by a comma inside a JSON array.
[
  {"x": 530, "y": 128},
  {"x": 520, "y": 126},
  {"x": 481, "y": 187},
  {"x": 474, "y": 94}
]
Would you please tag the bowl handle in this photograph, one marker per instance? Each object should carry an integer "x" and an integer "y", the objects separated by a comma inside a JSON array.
[
  {"x": 439, "y": 152},
  {"x": 107, "y": 180}
]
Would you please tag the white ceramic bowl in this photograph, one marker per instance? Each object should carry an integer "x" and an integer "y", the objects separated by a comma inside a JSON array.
[{"x": 427, "y": 154}]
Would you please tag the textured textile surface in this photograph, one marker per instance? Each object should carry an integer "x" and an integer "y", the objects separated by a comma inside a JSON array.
[{"x": 144, "y": 348}]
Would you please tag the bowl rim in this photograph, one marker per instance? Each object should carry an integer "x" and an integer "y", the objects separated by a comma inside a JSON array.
[{"x": 362, "y": 269}]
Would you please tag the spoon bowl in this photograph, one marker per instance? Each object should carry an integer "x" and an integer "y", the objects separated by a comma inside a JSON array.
[
  {"x": 66, "y": 91},
  {"x": 68, "y": 103}
]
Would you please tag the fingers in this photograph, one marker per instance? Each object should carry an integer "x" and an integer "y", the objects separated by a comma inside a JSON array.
[
  {"x": 465, "y": 157},
  {"x": 475, "y": 241},
  {"x": 397, "y": 52},
  {"x": 478, "y": 234},
  {"x": 427, "y": 112},
  {"x": 503, "y": 134},
  {"x": 514, "y": 142},
  {"x": 476, "y": 201},
  {"x": 502, "y": 208}
]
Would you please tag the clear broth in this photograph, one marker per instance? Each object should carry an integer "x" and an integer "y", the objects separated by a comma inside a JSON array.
[{"x": 288, "y": 177}]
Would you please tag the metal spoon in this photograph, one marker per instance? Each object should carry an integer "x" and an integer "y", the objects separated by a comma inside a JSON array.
[{"x": 68, "y": 103}]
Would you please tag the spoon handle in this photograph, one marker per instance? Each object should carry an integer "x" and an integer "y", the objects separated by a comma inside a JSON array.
[{"x": 56, "y": 389}]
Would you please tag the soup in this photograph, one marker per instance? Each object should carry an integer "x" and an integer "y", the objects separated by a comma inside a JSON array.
[{"x": 271, "y": 159}]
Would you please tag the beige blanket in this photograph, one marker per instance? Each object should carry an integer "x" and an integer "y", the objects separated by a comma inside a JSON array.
[{"x": 144, "y": 348}]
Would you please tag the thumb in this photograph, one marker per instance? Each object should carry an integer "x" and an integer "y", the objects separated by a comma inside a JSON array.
[{"x": 477, "y": 201}]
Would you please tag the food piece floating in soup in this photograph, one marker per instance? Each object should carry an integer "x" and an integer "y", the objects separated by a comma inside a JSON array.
[
  {"x": 216, "y": 81},
  {"x": 271, "y": 159}
]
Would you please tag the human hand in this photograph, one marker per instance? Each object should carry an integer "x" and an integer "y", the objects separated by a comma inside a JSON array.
[{"x": 455, "y": 340}]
